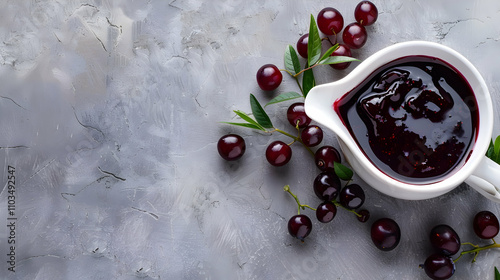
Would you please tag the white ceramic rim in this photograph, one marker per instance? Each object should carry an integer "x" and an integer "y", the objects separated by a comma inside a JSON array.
[{"x": 471, "y": 74}]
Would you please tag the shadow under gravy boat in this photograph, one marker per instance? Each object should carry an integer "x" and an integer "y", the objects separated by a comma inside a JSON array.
[{"x": 477, "y": 170}]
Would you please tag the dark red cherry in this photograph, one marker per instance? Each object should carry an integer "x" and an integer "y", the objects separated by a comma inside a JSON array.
[
  {"x": 354, "y": 35},
  {"x": 352, "y": 196},
  {"x": 364, "y": 215},
  {"x": 385, "y": 234},
  {"x": 445, "y": 240},
  {"x": 485, "y": 225},
  {"x": 439, "y": 267},
  {"x": 325, "y": 157},
  {"x": 299, "y": 226},
  {"x": 231, "y": 147},
  {"x": 312, "y": 135},
  {"x": 326, "y": 211},
  {"x": 278, "y": 153},
  {"x": 296, "y": 113},
  {"x": 302, "y": 45},
  {"x": 366, "y": 13},
  {"x": 342, "y": 50},
  {"x": 326, "y": 185},
  {"x": 330, "y": 21},
  {"x": 269, "y": 77}
]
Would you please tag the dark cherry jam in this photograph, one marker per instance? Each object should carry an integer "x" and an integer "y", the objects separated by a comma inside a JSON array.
[{"x": 414, "y": 118}]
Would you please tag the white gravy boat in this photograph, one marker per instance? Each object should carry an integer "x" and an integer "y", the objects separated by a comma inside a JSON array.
[{"x": 478, "y": 171}]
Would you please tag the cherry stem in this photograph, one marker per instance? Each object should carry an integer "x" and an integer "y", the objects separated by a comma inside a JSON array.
[
  {"x": 295, "y": 76},
  {"x": 305, "y": 69},
  {"x": 350, "y": 210},
  {"x": 298, "y": 84},
  {"x": 310, "y": 67},
  {"x": 477, "y": 249},
  {"x": 303, "y": 206},
  {"x": 328, "y": 38},
  {"x": 295, "y": 138}
]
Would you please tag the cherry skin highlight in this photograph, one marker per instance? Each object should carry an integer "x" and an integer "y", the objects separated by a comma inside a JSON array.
[
  {"x": 231, "y": 147},
  {"x": 352, "y": 196},
  {"x": 278, "y": 153},
  {"x": 366, "y": 13},
  {"x": 311, "y": 135},
  {"x": 354, "y": 35},
  {"x": 486, "y": 225},
  {"x": 299, "y": 226},
  {"x": 296, "y": 115},
  {"x": 365, "y": 215},
  {"x": 325, "y": 158},
  {"x": 330, "y": 21},
  {"x": 302, "y": 45},
  {"x": 439, "y": 267},
  {"x": 326, "y": 211},
  {"x": 326, "y": 185},
  {"x": 385, "y": 234},
  {"x": 269, "y": 77},
  {"x": 445, "y": 240}
]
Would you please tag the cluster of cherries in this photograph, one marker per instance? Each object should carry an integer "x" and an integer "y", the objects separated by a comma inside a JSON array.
[
  {"x": 385, "y": 232},
  {"x": 330, "y": 22},
  {"x": 446, "y": 243},
  {"x": 278, "y": 153},
  {"x": 327, "y": 187}
]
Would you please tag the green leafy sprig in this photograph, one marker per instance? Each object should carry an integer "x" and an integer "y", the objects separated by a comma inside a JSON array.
[
  {"x": 494, "y": 150},
  {"x": 304, "y": 76},
  {"x": 284, "y": 97},
  {"x": 262, "y": 122},
  {"x": 314, "y": 58}
]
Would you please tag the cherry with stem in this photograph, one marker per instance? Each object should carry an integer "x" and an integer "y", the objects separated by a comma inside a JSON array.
[{"x": 304, "y": 206}]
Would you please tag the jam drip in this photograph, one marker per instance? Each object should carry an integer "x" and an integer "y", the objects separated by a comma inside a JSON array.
[{"x": 412, "y": 118}]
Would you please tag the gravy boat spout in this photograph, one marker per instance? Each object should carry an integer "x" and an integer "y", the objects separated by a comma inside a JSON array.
[{"x": 319, "y": 106}]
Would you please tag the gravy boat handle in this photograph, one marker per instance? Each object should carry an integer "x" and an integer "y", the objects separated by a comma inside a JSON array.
[
  {"x": 319, "y": 106},
  {"x": 485, "y": 179}
]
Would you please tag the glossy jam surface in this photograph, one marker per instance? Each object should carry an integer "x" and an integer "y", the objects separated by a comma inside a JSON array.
[{"x": 414, "y": 118}]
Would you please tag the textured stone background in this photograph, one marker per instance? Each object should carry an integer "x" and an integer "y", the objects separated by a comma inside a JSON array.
[{"x": 110, "y": 111}]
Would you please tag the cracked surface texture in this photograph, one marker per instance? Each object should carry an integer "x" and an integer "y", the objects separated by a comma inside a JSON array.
[{"x": 110, "y": 113}]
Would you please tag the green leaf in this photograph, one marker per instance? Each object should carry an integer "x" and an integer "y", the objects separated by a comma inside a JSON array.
[
  {"x": 258, "y": 112},
  {"x": 496, "y": 151},
  {"x": 336, "y": 60},
  {"x": 313, "y": 43},
  {"x": 247, "y": 125},
  {"x": 342, "y": 171},
  {"x": 490, "y": 152},
  {"x": 329, "y": 52},
  {"x": 292, "y": 63},
  {"x": 284, "y": 97},
  {"x": 247, "y": 118},
  {"x": 308, "y": 81},
  {"x": 497, "y": 274}
]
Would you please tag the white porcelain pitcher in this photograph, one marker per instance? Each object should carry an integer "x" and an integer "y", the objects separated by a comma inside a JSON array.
[{"x": 478, "y": 171}]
